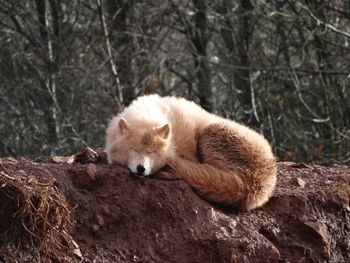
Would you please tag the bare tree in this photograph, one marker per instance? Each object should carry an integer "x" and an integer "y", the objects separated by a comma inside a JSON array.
[{"x": 281, "y": 67}]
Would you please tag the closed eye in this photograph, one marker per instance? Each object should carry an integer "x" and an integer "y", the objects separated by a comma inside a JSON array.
[
  {"x": 133, "y": 150},
  {"x": 148, "y": 152}
]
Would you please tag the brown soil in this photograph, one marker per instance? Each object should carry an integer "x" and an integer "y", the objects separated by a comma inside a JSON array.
[{"x": 117, "y": 217}]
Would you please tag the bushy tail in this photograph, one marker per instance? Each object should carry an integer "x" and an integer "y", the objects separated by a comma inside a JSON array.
[
  {"x": 210, "y": 182},
  {"x": 225, "y": 187}
]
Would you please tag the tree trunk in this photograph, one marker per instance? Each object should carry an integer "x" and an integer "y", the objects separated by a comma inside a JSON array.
[
  {"x": 244, "y": 43},
  {"x": 239, "y": 51},
  {"x": 50, "y": 47},
  {"x": 122, "y": 42},
  {"x": 200, "y": 41}
]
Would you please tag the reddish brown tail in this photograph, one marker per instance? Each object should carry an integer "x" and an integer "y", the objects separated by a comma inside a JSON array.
[{"x": 225, "y": 187}]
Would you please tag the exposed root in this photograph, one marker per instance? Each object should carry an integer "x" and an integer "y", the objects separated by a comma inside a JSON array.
[{"x": 33, "y": 214}]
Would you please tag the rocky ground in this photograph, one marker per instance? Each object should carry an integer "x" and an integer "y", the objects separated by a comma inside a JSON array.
[{"x": 80, "y": 209}]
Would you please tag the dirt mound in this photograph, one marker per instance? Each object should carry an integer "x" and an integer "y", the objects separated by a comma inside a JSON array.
[{"x": 119, "y": 218}]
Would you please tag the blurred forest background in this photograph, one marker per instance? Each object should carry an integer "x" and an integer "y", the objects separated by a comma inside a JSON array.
[{"x": 281, "y": 67}]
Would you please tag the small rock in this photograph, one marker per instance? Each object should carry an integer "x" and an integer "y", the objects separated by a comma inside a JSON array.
[
  {"x": 100, "y": 220},
  {"x": 63, "y": 159},
  {"x": 91, "y": 170},
  {"x": 298, "y": 182},
  {"x": 95, "y": 228},
  {"x": 76, "y": 250},
  {"x": 321, "y": 229}
]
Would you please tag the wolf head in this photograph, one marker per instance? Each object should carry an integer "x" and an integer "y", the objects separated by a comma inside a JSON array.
[{"x": 144, "y": 148}]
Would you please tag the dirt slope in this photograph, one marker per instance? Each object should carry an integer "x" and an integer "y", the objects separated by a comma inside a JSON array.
[{"x": 119, "y": 218}]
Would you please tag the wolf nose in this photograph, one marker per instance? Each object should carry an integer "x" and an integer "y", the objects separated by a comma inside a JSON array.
[{"x": 140, "y": 169}]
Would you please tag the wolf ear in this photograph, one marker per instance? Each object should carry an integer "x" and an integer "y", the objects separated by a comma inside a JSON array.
[
  {"x": 123, "y": 126},
  {"x": 163, "y": 131}
]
